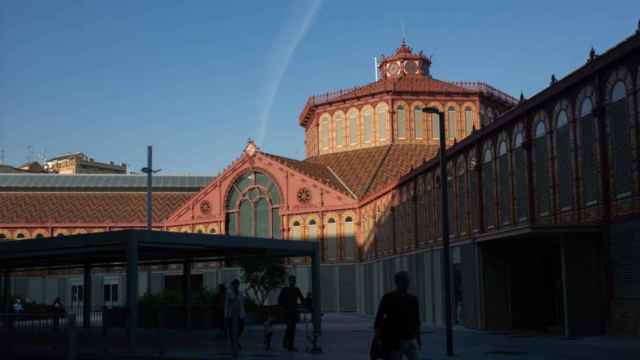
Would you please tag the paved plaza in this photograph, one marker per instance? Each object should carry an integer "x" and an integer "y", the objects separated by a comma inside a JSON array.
[{"x": 348, "y": 337}]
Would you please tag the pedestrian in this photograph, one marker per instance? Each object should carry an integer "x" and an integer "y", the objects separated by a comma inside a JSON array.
[
  {"x": 18, "y": 308},
  {"x": 397, "y": 324},
  {"x": 234, "y": 315},
  {"x": 219, "y": 304},
  {"x": 58, "y": 310},
  {"x": 268, "y": 331},
  {"x": 288, "y": 300}
]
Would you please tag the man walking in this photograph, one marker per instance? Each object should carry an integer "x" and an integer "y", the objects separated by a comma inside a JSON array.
[
  {"x": 397, "y": 322},
  {"x": 234, "y": 315},
  {"x": 288, "y": 299}
]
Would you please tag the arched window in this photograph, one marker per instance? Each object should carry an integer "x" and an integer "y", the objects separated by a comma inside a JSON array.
[
  {"x": 519, "y": 163},
  {"x": 296, "y": 231},
  {"x": 253, "y": 206},
  {"x": 212, "y": 231},
  {"x": 3, "y": 236},
  {"x": 312, "y": 230},
  {"x": 349, "y": 239},
  {"x": 366, "y": 119},
  {"x": 590, "y": 190},
  {"x": 382, "y": 121},
  {"x": 563, "y": 160},
  {"x": 474, "y": 191},
  {"x": 462, "y": 196},
  {"x": 401, "y": 123},
  {"x": 468, "y": 120},
  {"x": 324, "y": 133},
  {"x": 418, "y": 122},
  {"x": 487, "y": 186},
  {"x": 620, "y": 140},
  {"x": 331, "y": 237},
  {"x": 60, "y": 234},
  {"x": 339, "y": 121},
  {"x": 452, "y": 118},
  {"x": 541, "y": 155},
  {"x": 353, "y": 128},
  {"x": 39, "y": 236},
  {"x": 20, "y": 236},
  {"x": 504, "y": 190},
  {"x": 435, "y": 126}
]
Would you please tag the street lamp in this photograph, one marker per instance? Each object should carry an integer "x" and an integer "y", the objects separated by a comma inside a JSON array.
[
  {"x": 149, "y": 171},
  {"x": 444, "y": 216}
]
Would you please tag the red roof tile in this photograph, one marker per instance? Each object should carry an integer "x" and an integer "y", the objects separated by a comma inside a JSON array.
[
  {"x": 365, "y": 171},
  {"x": 86, "y": 207}
]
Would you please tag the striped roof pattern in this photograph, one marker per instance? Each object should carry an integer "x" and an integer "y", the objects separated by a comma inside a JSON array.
[{"x": 55, "y": 182}]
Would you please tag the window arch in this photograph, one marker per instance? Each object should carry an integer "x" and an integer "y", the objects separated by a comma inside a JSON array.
[
  {"x": 353, "y": 127},
  {"x": 331, "y": 237},
  {"x": 39, "y": 236},
  {"x": 324, "y": 132},
  {"x": 519, "y": 176},
  {"x": 400, "y": 122},
  {"x": 468, "y": 120},
  {"x": 504, "y": 190},
  {"x": 253, "y": 206},
  {"x": 312, "y": 230},
  {"x": 367, "y": 125},
  {"x": 462, "y": 195},
  {"x": 588, "y": 145},
  {"x": 541, "y": 169},
  {"x": 339, "y": 123},
  {"x": 349, "y": 239},
  {"x": 619, "y": 137},
  {"x": 452, "y": 117},
  {"x": 296, "y": 230},
  {"x": 20, "y": 236},
  {"x": 563, "y": 159},
  {"x": 418, "y": 119},
  {"x": 381, "y": 117},
  {"x": 487, "y": 186}
]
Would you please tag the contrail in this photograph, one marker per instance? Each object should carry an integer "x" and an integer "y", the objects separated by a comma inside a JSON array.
[{"x": 291, "y": 33}]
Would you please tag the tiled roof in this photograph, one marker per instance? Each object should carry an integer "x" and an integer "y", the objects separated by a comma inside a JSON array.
[
  {"x": 55, "y": 182},
  {"x": 314, "y": 170},
  {"x": 365, "y": 171},
  {"x": 86, "y": 207}
]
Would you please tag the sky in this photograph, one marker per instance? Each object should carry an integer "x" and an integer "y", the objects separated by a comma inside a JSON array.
[{"x": 197, "y": 79}]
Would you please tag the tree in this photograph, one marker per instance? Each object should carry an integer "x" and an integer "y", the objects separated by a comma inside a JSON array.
[{"x": 262, "y": 274}]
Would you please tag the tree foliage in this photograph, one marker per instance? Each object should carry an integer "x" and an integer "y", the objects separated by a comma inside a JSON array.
[{"x": 262, "y": 275}]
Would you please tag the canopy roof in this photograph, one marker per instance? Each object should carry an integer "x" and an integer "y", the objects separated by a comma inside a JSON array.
[{"x": 110, "y": 248}]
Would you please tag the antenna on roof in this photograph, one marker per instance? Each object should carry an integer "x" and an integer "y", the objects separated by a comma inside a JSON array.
[
  {"x": 1, "y": 156},
  {"x": 404, "y": 32},
  {"x": 375, "y": 67}
]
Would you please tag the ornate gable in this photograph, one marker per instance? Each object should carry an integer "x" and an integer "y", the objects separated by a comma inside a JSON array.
[{"x": 302, "y": 188}]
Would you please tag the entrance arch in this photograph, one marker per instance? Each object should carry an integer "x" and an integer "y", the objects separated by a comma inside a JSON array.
[{"x": 253, "y": 206}]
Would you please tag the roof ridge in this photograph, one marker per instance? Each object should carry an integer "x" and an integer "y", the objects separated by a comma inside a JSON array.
[{"x": 342, "y": 182}]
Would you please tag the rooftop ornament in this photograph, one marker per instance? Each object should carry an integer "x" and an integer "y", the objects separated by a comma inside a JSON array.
[{"x": 553, "y": 79}]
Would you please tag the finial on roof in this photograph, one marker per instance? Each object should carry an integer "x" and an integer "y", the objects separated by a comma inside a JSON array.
[
  {"x": 592, "y": 54},
  {"x": 638, "y": 29},
  {"x": 251, "y": 148},
  {"x": 553, "y": 79},
  {"x": 521, "y": 97}
]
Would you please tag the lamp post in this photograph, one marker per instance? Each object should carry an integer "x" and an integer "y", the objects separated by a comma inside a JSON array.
[
  {"x": 149, "y": 171},
  {"x": 444, "y": 211}
]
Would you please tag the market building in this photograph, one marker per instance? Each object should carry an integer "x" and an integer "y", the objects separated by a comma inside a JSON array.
[{"x": 544, "y": 199}]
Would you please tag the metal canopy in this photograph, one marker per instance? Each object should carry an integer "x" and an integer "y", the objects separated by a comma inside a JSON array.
[
  {"x": 110, "y": 247},
  {"x": 135, "y": 247}
]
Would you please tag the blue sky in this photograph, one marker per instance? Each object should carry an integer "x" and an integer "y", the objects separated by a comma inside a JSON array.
[{"x": 196, "y": 79}]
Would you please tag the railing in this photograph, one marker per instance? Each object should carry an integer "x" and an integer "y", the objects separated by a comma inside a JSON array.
[
  {"x": 41, "y": 335},
  {"x": 487, "y": 89}
]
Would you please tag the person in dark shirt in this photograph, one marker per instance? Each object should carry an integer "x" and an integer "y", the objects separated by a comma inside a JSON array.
[
  {"x": 288, "y": 299},
  {"x": 397, "y": 322}
]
